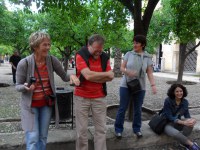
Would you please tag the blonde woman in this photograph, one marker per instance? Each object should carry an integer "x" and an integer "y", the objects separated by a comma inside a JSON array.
[{"x": 35, "y": 107}]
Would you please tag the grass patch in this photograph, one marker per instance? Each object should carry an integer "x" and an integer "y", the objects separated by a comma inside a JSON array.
[{"x": 197, "y": 75}]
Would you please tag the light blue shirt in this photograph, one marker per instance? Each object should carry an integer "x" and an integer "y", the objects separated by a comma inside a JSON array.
[{"x": 134, "y": 62}]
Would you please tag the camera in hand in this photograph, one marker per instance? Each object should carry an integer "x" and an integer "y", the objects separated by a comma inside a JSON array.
[{"x": 31, "y": 81}]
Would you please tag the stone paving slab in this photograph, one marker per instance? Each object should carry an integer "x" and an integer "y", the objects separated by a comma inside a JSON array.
[
  {"x": 187, "y": 77},
  {"x": 65, "y": 139}
]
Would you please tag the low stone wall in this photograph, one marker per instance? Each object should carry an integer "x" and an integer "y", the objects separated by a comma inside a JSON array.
[{"x": 60, "y": 139}]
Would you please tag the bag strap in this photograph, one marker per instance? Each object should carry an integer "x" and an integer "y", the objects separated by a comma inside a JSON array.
[
  {"x": 140, "y": 72},
  {"x": 177, "y": 112},
  {"x": 36, "y": 68}
]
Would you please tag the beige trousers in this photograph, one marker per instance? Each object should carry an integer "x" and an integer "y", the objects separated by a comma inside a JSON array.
[{"x": 98, "y": 109}]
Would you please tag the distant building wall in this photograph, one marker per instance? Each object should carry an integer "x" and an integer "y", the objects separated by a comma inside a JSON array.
[
  {"x": 198, "y": 58},
  {"x": 167, "y": 57},
  {"x": 170, "y": 59}
]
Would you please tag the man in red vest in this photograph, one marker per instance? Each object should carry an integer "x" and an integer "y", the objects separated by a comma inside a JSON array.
[{"x": 93, "y": 69}]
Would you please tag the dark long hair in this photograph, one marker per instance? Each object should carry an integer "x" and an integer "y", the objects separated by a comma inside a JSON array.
[{"x": 171, "y": 90}]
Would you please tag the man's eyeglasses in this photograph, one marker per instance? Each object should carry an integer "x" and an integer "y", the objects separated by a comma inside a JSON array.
[{"x": 96, "y": 50}]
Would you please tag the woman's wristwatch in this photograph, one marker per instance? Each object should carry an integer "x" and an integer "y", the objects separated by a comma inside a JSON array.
[{"x": 153, "y": 85}]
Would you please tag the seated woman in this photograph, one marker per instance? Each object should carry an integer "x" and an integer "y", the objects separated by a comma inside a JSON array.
[{"x": 175, "y": 107}]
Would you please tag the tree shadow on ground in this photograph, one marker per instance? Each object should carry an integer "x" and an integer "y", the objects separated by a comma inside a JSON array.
[{"x": 183, "y": 82}]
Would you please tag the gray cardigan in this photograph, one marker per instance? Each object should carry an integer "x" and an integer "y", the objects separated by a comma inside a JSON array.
[{"x": 25, "y": 70}]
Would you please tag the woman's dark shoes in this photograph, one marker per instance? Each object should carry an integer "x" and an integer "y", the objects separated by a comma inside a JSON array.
[
  {"x": 138, "y": 134},
  {"x": 118, "y": 135}
]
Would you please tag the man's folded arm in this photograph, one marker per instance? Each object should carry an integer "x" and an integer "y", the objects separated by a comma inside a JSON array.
[{"x": 99, "y": 77}]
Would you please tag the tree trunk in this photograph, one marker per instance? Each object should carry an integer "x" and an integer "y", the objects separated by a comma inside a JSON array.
[
  {"x": 138, "y": 25},
  {"x": 65, "y": 63},
  {"x": 117, "y": 63},
  {"x": 182, "y": 57},
  {"x": 138, "y": 28},
  {"x": 67, "y": 52},
  {"x": 141, "y": 22},
  {"x": 142, "y": 19}
]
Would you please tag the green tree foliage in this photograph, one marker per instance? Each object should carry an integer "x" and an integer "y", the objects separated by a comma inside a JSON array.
[
  {"x": 186, "y": 27},
  {"x": 186, "y": 24},
  {"x": 5, "y": 23},
  {"x": 141, "y": 11},
  {"x": 160, "y": 28},
  {"x": 72, "y": 30},
  {"x": 71, "y": 26},
  {"x": 80, "y": 19},
  {"x": 5, "y": 50},
  {"x": 16, "y": 27},
  {"x": 176, "y": 20}
]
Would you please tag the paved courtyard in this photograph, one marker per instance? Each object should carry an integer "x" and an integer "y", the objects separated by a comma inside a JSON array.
[{"x": 10, "y": 98}]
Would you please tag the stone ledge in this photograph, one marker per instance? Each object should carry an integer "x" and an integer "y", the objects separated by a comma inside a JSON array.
[{"x": 65, "y": 139}]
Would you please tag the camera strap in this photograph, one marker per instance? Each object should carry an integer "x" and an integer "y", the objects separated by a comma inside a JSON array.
[
  {"x": 140, "y": 72},
  {"x": 36, "y": 68}
]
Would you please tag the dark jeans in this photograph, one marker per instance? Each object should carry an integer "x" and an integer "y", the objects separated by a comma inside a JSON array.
[
  {"x": 137, "y": 99},
  {"x": 14, "y": 75}
]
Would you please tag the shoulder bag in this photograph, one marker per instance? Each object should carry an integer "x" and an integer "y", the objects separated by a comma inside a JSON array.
[
  {"x": 134, "y": 85},
  {"x": 158, "y": 122}
]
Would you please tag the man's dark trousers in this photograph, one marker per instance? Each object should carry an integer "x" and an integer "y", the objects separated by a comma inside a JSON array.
[{"x": 14, "y": 75}]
